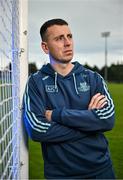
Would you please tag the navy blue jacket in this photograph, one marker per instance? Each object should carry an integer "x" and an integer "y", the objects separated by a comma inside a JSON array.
[{"x": 73, "y": 143}]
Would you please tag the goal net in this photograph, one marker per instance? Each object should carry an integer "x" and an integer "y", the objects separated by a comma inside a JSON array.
[{"x": 9, "y": 89}]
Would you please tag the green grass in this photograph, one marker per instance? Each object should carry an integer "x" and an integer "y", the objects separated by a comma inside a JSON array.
[
  {"x": 115, "y": 138},
  {"x": 35, "y": 161}
]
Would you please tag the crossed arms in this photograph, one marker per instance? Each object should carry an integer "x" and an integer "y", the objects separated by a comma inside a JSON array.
[
  {"x": 65, "y": 124},
  {"x": 98, "y": 101}
]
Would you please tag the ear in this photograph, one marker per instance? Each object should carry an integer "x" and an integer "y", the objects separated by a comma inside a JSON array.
[{"x": 44, "y": 47}]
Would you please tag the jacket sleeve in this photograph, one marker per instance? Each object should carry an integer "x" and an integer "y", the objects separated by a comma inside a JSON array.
[
  {"x": 89, "y": 120},
  {"x": 37, "y": 126}
]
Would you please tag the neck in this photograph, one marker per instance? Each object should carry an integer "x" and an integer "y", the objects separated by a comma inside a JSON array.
[{"x": 61, "y": 68}]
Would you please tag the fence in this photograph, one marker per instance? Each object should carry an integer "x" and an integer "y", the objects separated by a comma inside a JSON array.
[{"x": 10, "y": 86}]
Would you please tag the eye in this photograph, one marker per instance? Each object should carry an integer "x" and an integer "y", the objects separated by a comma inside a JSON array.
[
  {"x": 70, "y": 36},
  {"x": 60, "y": 38}
]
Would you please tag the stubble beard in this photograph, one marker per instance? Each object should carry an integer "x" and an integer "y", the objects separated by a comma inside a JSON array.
[{"x": 61, "y": 61}]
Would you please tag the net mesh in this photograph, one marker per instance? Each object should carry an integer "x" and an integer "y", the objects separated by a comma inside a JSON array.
[{"x": 9, "y": 89}]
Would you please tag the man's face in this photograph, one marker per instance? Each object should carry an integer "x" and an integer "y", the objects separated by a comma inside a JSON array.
[{"x": 59, "y": 43}]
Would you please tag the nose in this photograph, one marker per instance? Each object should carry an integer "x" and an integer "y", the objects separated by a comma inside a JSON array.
[{"x": 67, "y": 41}]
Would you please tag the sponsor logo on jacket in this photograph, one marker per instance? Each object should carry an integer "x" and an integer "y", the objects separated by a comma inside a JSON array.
[{"x": 50, "y": 88}]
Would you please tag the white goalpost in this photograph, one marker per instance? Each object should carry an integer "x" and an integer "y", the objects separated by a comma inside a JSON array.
[
  {"x": 13, "y": 76},
  {"x": 23, "y": 79}
]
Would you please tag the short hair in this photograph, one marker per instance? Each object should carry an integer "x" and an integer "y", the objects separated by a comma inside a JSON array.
[{"x": 48, "y": 24}]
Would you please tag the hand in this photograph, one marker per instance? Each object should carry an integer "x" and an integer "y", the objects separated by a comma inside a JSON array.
[
  {"x": 48, "y": 114},
  {"x": 97, "y": 101}
]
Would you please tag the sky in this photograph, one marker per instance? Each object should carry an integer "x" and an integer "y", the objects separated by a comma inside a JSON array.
[{"x": 87, "y": 20}]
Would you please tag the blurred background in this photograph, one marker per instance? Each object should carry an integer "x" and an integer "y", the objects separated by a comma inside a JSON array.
[{"x": 97, "y": 28}]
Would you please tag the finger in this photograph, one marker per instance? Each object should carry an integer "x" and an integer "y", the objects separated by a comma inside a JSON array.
[
  {"x": 93, "y": 99},
  {"x": 101, "y": 102},
  {"x": 102, "y": 105},
  {"x": 98, "y": 100},
  {"x": 47, "y": 113}
]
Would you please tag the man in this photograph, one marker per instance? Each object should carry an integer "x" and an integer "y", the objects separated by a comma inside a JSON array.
[{"x": 68, "y": 108}]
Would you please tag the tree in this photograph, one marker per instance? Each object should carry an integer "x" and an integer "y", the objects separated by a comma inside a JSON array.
[{"x": 32, "y": 68}]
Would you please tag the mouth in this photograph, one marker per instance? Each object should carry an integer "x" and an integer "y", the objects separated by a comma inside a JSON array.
[{"x": 68, "y": 51}]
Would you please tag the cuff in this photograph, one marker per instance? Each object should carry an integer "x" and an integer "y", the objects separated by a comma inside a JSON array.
[{"x": 56, "y": 115}]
